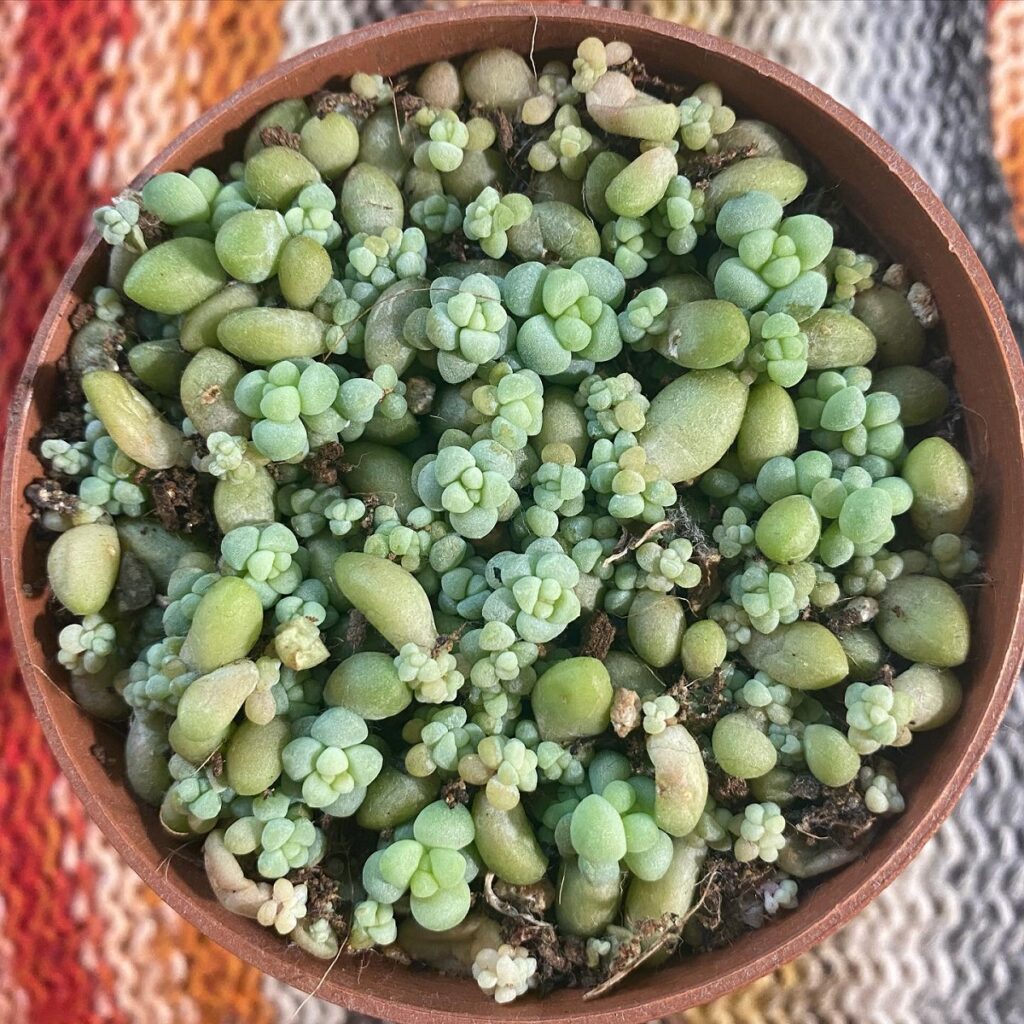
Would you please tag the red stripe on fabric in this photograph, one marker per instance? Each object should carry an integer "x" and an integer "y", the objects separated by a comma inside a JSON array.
[{"x": 60, "y": 77}]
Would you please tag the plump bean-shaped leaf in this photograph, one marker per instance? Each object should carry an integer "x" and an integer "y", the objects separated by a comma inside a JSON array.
[
  {"x": 91, "y": 347},
  {"x": 122, "y": 260},
  {"x": 253, "y": 756},
  {"x": 339, "y": 727},
  {"x": 640, "y": 186},
  {"x": 199, "y": 325},
  {"x": 837, "y": 339},
  {"x": 449, "y": 828},
  {"x": 82, "y": 567},
  {"x": 680, "y": 778},
  {"x": 865, "y": 514},
  {"x": 603, "y": 279},
  {"x": 383, "y": 343},
  {"x": 370, "y": 201},
  {"x": 246, "y": 502},
  {"x": 394, "y": 798},
  {"x": 498, "y": 79},
  {"x": 478, "y": 170},
  {"x": 802, "y": 655},
  {"x": 386, "y": 873},
  {"x": 441, "y": 85},
  {"x": 583, "y": 907},
  {"x": 133, "y": 422},
  {"x": 383, "y": 472},
  {"x": 693, "y": 421},
  {"x": 597, "y": 832},
  {"x": 563, "y": 421},
  {"x": 555, "y": 232},
  {"x": 97, "y": 694},
  {"x": 522, "y": 288},
  {"x": 600, "y": 173},
  {"x": 936, "y": 694},
  {"x": 890, "y": 319},
  {"x": 943, "y": 487},
  {"x": 444, "y": 910},
  {"x": 673, "y": 892},
  {"x": 174, "y": 198},
  {"x": 206, "y": 390},
  {"x": 775, "y": 786},
  {"x": 703, "y": 649},
  {"x": 506, "y": 843},
  {"x": 381, "y": 430},
  {"x": 741, "y": 748},
  {"x": 386, "y": 143},
  {"x": 330, "y": 143},
  {"x": 368, "y": 684},
  {"x": 628, "y": 672},
  {"x": 655, "y": 627},
  {"x": 208, "y": 707},
  {"x": 158, "y": 549},
  {"x": 769, "y": 427},
  {"x": 250, "y": 243},
  {"x": 831, "y": 759},
  {"x": 392, "y": 599},
  {"x": 752, "y": 211},
  {"x": 227, "y": 623},
  {"x": 779, "y": 178},
  {"x": 266, "y": 335},
  {"x": 572, "y": 699},
  {"x": 704, "y": 334},
  {"x": 789, "y": 529},
  {"x": 922, "y": 396},
  {"x": 145, "y": 758},
  {"x": 865, "y": 654},
  {"x": 801, "y": 299},
  {"x": 276, "y": 175},
  {"x": 159, "y": 365},
  {"x": 923, "y": 619},
  {"x": 304, "y": 271},
  {"x": 617, "y": 106},
  {"x": 175, "y": 276},
  {"x": 681, "y": 289}
]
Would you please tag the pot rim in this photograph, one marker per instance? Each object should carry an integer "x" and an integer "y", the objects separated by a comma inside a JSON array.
[{"x": 204, "y": 917}]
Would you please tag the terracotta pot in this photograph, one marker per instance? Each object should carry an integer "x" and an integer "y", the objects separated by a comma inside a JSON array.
[{"x": 891, "y": 200}]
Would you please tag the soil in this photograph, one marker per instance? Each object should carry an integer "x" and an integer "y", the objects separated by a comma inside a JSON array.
[
  {"x": 841, "y": 817},
  {"x": 701, "y": 701},
  {"x": 597, "y": 636},
  {"x": 275, "y": 135},
  {"x": 181, "y": 500},
  {"x": 326, "y": 463},
  {"x": 728, "y": 891}
]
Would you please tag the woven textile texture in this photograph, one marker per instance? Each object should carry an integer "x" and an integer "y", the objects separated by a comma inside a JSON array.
[{"x": 89, "y": 90}]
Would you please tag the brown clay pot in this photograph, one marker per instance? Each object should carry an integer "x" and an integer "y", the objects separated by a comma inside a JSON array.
[{"x": 891, "y": 200}]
